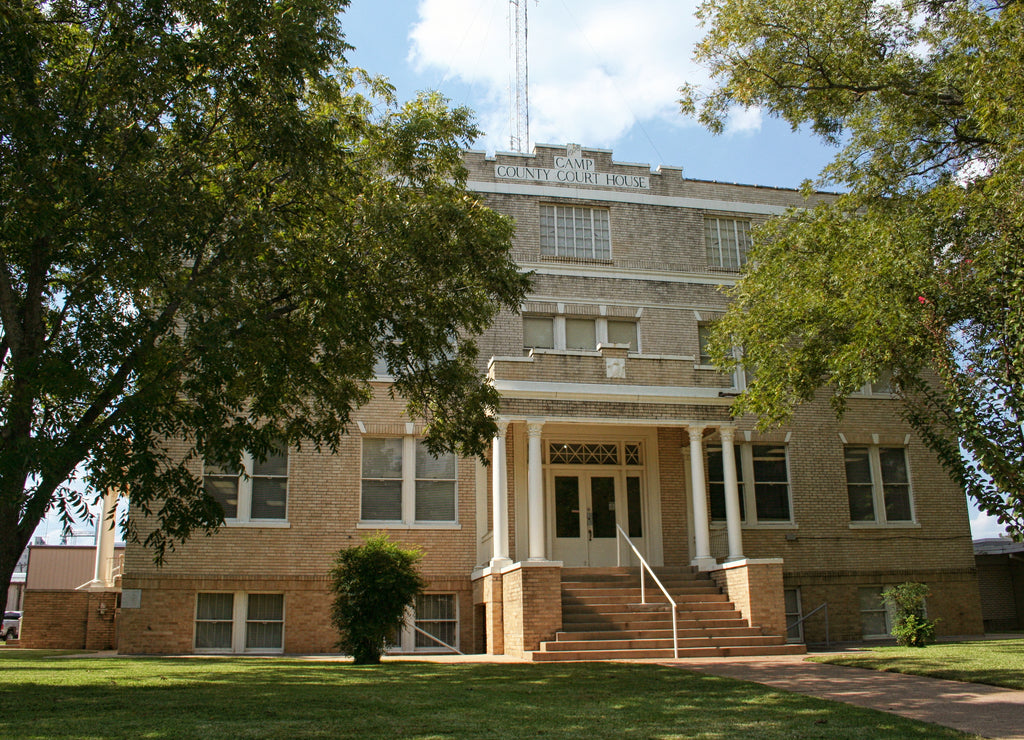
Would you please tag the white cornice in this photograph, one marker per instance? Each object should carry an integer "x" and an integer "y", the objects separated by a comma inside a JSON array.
[
  {"x": 622, "y": 273},
  {"x": 607, "y": 392},
  {"x": 619, "y": 196}
]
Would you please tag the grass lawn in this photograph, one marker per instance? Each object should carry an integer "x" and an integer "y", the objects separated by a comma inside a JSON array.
[
  {"x": 283, "y": 698},
  {"x": 996, "y": 662}
]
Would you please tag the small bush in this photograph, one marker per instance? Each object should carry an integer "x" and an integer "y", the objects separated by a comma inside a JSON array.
[
  {"x": 911, "y": 628},
  {"x": 373, "y": 584}
]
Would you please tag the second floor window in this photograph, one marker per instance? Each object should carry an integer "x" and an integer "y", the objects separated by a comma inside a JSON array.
[
  {"x": 727, "y": 241},
  {"x": 258, "y": 491},
  {"x": 570, "y": 231},
  {"x": 562, "y": 332},
  {"x": 762, "y": 474}
]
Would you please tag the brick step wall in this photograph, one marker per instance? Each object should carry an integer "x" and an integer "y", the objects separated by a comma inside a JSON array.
[{"x": 603, "y": 619}]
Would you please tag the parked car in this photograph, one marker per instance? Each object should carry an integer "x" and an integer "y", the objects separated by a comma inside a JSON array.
[{"x": 12, "y": 625}]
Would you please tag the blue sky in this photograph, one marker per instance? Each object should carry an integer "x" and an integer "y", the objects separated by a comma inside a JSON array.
[{"x": 603, "y": 73}]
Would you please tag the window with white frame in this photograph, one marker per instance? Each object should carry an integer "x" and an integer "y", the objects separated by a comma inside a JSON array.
[
  {"x": 727, "y": 241},
  {"x": 878, "y": 484},
  {"x": 403, "y": 483},
  {"x": 256, "y": 492},
  {"x": 574, "y": 231},
  {"x": 239, "y": 622},
  {"x": 762, "y": 475},
  {"x": 794, "y": 612},
  {"x": 435, "y": 614},
  {"x": 876, "y": 617},
  {"x": 881, "y": 387},
  {"x": 577, "y": 333},
  {"x": 703, "y": 338}
]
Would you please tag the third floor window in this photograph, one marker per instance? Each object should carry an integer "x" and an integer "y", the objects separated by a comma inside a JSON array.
[{"x": 569, "y": 231}]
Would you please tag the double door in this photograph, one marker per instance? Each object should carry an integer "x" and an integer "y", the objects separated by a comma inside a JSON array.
[{"x": 585, "y": 507}]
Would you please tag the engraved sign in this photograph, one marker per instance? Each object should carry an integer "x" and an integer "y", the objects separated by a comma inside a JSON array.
[{"x": 572, "y": 169}]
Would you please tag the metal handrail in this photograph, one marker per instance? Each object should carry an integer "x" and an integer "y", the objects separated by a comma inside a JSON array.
[
  {"x": 438, "y": 640},
  {"x": 643, "y": 590},
  {"x": 823, "y": 605}
]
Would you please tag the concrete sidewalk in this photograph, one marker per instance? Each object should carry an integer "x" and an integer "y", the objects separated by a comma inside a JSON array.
[{"x": 983, "y": 710}]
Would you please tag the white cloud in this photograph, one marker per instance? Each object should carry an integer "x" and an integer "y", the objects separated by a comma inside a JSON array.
[
  {"x": 984, "y": 526},
  {"x": 596, "y": 67}
]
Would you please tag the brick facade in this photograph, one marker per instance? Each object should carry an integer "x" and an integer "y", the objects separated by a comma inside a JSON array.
[{"x": 657, "y": 275}]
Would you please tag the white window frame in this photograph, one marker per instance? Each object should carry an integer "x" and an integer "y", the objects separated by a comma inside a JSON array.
[
  {"x": 575, "y": 247},
  {"x": 714, "y": 251},
  {"x": 600, "y": 332},
  {"x": 748, "y": 494},
  {"x": 406, "y": 642},
  {"x": 887, "y": 609},
  {"x": 878, "y": 488},
  {"x": 880, "y": 388},
  {"x": 409, "y": 479},
  {"x": 243, "y": 514},
  {"x": 794, "y": 616},
  {"x": 239, "y": 624}
]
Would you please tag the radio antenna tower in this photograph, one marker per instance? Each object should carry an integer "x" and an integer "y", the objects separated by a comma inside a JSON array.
[{"x": 519, "y": 96}]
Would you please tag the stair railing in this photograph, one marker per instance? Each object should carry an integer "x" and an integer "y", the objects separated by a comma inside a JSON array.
[
  {"x": 437, "y": 639},
  {"x": 823, "y": 605},
  {"x": 643, "y": 591}
]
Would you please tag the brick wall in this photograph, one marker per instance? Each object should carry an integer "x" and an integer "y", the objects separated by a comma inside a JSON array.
[
  {"x": 532, "y": 604},
  {"x": 755, "y": 589},
  {"x": 57, "y": 620}
]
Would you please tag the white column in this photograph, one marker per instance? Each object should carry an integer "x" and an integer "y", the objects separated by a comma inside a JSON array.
[
  {"x": 535, "y": 491},
  {"x": 106, "y": 525},
  {"x": 701, "y": 531},
  {"x": 499, "y": 499},
  {"x": 732, "y": 494}
]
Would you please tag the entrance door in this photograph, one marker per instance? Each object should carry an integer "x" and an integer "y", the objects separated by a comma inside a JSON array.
[{"x": 587, "y": 506}]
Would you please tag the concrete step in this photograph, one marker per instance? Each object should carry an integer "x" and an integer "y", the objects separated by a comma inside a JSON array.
[
  {"x": 622, "y": 608},
  {"x": 645, "y": 643},
  {"x": 602, "y": 589},
  {"x": 616, "y": 625},
  {"x": 658, "y": 634},
  {"x": 665, "y": 653},
  {"x": 681, "y": 600}
]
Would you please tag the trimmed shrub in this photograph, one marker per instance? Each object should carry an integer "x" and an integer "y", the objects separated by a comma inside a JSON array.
[
  {"x": 911, "y": 629},
  {"x": 373, "y": 584}
]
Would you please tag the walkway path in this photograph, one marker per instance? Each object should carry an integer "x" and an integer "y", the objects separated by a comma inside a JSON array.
[{"x": 983, "y": 710}]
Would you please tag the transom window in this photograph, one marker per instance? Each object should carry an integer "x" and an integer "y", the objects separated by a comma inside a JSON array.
[
  {"x": 255, "y": 492},
  {"x": 239, "y": 622},
  {"x": 571, "y": 231},
  {"x": 878, "y": 484},
  {"x": 402, "y": 482},
  {"x": 727, "y": 241},
  {"x": 762, "y": 475},
  {"x": 595, "y": 453}
]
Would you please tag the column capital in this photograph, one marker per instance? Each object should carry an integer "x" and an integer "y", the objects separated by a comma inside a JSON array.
[
  {"x": 696, "y": 429},
  {"x": 502, "y": 427},
  {"x": 534, "y": 427},
  {"x": 727, "y": 432}
]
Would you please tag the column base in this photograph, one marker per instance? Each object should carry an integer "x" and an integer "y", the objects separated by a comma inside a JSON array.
[
  {"x": 704, "y": 563},
  {"x": 497, "y": 564}
]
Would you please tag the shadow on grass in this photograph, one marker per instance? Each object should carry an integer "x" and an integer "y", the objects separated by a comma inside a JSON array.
[{"x": 171, "y": 698}]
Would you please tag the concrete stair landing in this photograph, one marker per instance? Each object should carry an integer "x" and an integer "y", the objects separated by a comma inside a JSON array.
[{"x": 603, "y": 619}]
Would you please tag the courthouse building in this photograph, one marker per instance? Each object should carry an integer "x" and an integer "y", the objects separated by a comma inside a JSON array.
[{"x": 614, "y": 434}]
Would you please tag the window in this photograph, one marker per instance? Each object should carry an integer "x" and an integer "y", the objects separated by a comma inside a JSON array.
[
  {"x": 703, "y": 337},
  {"x": 404, "y": 483},
  {"x": 577, "y": 333},
  {"x": 569, "y": 231},
  {"x": 876, "y": 618},
  {"x": 256, "y": 492},
  {"x": 239, "y": 622},
  {"x": 538, "y": 332},
  {"x": 580, "y": 334},
  {"x": 882, "y": 387},
  {"x": 765, "y": 500},
  {"x": 622, "y": 332},
  {"x": 727, "y": 241},
  {"x": 794, "y": 631},
  {"x": 435, "y": 614},
  {"x": 878, "y": 484}
]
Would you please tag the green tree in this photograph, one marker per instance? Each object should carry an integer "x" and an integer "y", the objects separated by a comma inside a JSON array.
[
  {"x": 210, "y": 228},
  {"x": 918, "y": 265},
  {"x": 374, "y": 584}
]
